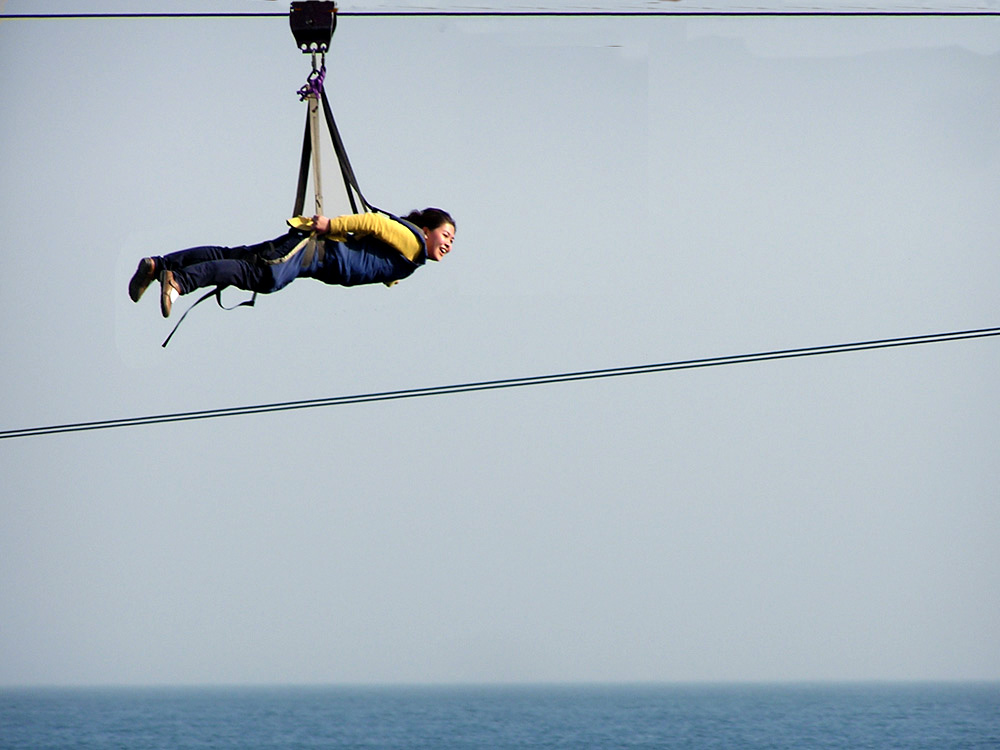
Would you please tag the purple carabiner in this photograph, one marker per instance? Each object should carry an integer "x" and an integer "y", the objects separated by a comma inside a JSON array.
[{"x": 314, "y": 84}]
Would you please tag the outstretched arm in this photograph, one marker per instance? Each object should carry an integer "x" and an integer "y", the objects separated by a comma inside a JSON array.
[{"x": 384, "y": 228}]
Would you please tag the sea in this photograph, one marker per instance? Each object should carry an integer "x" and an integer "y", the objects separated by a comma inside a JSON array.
[{"x": 960, "y": 716}]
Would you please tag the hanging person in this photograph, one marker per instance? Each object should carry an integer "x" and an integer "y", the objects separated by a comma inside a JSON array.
[{"x": 368, "y": 248}]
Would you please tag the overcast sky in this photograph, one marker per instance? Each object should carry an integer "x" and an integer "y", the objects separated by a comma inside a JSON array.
[{"x": 627, "y": 191}]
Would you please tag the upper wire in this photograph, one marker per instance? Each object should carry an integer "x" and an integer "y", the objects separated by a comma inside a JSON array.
[{"x": 488, "y": 13}]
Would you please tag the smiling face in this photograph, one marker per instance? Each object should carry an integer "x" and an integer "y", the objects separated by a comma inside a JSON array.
[{"x": 439, "y": 241}]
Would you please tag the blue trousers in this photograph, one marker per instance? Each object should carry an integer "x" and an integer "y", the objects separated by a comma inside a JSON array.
[{"x": 241, "y": 267}]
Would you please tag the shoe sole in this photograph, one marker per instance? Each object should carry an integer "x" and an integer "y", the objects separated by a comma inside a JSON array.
[
  {"x": 168, "y": 293},
  {"x": 141, "y": 279}
]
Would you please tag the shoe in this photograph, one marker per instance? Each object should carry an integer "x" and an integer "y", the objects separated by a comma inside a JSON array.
[
  {"x": 169, "y": 292},
  {"x": 144, "y": 275}
]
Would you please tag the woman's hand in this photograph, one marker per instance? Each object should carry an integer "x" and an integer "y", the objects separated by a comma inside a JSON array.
[{"x": 321, "y": 224}]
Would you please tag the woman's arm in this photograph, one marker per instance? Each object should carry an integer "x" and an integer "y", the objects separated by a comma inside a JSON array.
[{"x": 389, "y": 231}]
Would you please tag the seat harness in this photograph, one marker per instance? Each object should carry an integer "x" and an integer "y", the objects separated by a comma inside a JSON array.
[{"x": 312, "y": 23}]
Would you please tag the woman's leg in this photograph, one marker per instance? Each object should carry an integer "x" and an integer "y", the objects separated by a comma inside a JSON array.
[
  {"x": 212, "y": 265},
  {"x": 242, "y": 274}
]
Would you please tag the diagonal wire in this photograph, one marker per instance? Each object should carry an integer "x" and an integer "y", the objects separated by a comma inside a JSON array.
[{"x": 488, "y": 385}]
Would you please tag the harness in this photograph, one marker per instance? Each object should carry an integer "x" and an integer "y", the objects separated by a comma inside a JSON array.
[{"x": 313, "y": 23}]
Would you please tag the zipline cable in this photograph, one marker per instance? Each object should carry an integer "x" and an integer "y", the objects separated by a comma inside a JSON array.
[
  {"x": 530, "y": 14},
  {"x": 489, "y": 385}
]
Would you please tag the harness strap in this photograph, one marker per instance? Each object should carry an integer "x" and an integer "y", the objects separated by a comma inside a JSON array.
[
  {"x": 218, "y": 298},
  {"x": 350, "y": 181},
  {"x": 300, "y": 194},
  {"x": 347, "y": 172},
  {"x": 315, "y": 248},
  {"x": 314, "y": 131},
  {"x": 312, "y": 245},
  {"x": 309, "y": 242}
]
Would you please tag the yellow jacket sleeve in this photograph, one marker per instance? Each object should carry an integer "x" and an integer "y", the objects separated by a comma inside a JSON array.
[{"x": 384, "y": 228}]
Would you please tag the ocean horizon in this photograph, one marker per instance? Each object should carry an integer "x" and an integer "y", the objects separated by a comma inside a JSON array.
[{"x": 751, "y": 715}]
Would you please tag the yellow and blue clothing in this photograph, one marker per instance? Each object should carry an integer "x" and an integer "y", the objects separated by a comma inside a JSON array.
[{"x": 357, "y": 249}]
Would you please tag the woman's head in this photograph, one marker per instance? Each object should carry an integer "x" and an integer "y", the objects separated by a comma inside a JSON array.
[
  {"x": 430, "y": 218},
  {"x": 438, "y": 228}
]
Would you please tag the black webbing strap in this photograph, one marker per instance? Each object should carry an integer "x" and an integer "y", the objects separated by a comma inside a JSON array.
[
  {"x": 217, "y": 292},
  {"x": 300, "y": 194},
  {"x": 350, "y": 181},
  {"x": 338, "y": 146},
  {"x": 347, "y": 172},
  {"x": 345, "y": 163}
]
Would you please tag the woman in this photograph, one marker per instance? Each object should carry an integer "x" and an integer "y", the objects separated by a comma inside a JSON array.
[{"x": 347, "y": 250}]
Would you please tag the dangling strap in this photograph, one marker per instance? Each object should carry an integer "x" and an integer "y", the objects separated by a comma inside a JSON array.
[
  {"x": 218, "y": 298},
  {"x": 309, "y": 243}
]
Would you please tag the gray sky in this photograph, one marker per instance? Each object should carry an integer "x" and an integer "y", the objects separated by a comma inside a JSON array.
[{"x": 627, "y": 191}]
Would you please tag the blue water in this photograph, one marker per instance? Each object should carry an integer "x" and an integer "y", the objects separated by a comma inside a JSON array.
[{"x": 959, "y": 716}]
